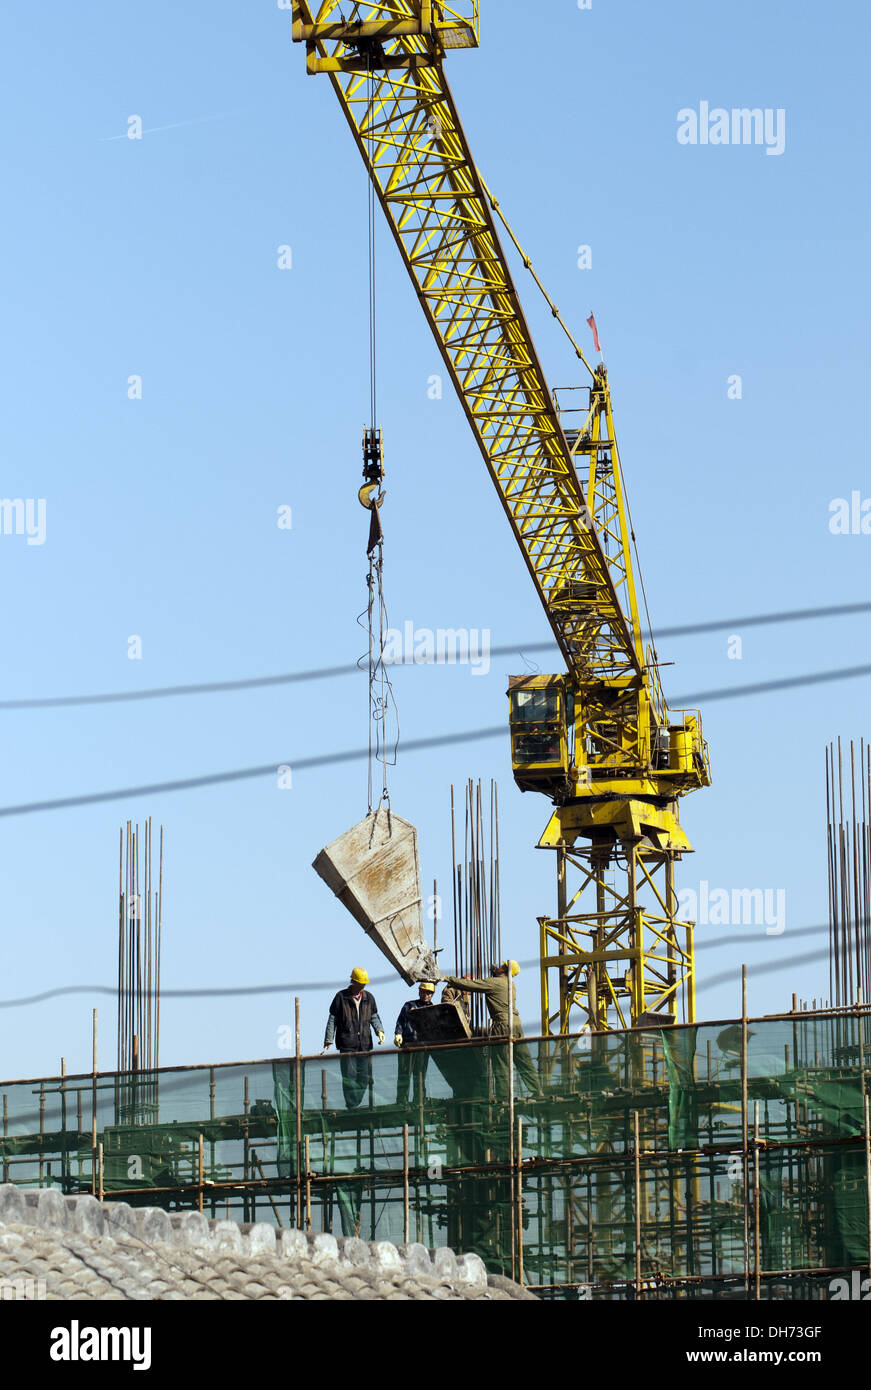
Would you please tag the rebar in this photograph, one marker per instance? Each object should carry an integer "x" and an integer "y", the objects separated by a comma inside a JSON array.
[
  {"x": 140, "y": 923},
  {"x": 476, "y": 893},
  {"x": 848, "y": 855}
]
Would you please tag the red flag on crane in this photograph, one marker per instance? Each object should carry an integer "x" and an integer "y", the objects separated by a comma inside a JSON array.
[{"x": 592, "y": 325}]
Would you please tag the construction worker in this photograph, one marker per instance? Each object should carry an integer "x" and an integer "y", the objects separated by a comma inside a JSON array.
[
  {"x": 353, "y": 1015},
  {"x": 411, "y": 1064},
  {"x": 455, "y": 996},
  {"x": 500, "y": 996}
]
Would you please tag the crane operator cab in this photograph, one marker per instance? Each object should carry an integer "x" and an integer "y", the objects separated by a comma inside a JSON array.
[{"x": 540, "y": 717}]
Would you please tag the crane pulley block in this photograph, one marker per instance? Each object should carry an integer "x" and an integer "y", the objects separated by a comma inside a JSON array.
[{"x": 373, "y": 455}]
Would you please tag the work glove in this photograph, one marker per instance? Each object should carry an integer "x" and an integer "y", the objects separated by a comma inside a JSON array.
[
  {"x": 397, "y": 1040},
  {"x": 381, "y": 1037},
  {"x": 327, "y": 1047}
]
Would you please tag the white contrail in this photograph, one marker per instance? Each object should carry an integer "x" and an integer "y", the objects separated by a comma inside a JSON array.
[{"x": 175, "y": 125}]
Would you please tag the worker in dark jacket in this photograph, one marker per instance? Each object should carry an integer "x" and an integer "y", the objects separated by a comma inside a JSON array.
[
  {"x": 414, "y": 1063},
  {"x": 353, "y": 1015},
  {"x": 500, "y": 996}
]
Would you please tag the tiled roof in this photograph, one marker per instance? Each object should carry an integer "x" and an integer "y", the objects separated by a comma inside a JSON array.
[{"x": 58, "y": 1247}]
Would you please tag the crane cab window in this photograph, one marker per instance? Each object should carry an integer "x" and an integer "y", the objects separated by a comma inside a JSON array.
[
  {"x": 538, "y": 727},
  {"x": 535, "y": 707},
  {"x": 538, "y": 748}
]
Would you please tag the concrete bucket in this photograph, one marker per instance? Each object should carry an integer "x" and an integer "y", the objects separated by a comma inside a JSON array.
[{"x": 374, "y": 870}]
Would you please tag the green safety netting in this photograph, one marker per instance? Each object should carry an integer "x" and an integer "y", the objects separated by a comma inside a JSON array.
[{"x": 226, "y": 1137}]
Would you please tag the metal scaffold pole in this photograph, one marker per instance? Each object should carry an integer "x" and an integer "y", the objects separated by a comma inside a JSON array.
[{"x": 297, "y": 1090}]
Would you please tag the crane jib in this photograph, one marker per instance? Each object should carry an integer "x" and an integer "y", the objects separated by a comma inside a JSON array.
[{"x": 409, "y": 134}]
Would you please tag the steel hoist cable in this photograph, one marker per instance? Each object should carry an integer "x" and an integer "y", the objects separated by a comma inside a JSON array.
[
  {"x": 371, "y": 219},
  {"x": 382, "y": 702}
]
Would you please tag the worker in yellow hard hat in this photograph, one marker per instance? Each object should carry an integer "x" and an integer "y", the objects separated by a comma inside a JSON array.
[
  {"x": 413, "y": 1063},
  {"x": 353, "y": 1014},
  {"x": 500, "y": 996}
]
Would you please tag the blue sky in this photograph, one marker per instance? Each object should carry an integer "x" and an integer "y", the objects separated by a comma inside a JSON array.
[{"x": 158, "y": 258}]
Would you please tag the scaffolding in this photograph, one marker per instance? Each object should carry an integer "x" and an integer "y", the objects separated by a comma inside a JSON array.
[{"x": 721, "y": 1160}]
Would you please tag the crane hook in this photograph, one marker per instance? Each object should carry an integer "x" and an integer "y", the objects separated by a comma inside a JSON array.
[{"x": 366, "y": 498}]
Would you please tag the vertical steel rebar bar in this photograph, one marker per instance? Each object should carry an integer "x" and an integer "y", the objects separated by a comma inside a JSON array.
[
  {"x": 848, "y": 856},
  {"x": 140, "y": 917},
  {"x": 120, "y": 1046},
  {"x": 159, "y": 948},
  {"x": 298, "y": 1101},
  {"x": 475, "y": 892}
]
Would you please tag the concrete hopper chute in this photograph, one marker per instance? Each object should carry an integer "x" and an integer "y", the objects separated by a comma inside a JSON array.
[{"x": 374, "y": 870}]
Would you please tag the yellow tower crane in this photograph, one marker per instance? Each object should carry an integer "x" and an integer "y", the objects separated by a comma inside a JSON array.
[{"x": 599, "y": 739}]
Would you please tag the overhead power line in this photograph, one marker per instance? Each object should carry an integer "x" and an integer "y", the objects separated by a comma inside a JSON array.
[
  {"x": 304, "y": 986},
  {"x": 766, "y": 967},
  {"x": 410, "y": 745},
  {"x": 164, "y": 692},
  {"x": 241, "y": 774},
  {"x": 789, "y": 615},
  {"x": 745, "y": 938},
  {"x": 764, "y": 687}
]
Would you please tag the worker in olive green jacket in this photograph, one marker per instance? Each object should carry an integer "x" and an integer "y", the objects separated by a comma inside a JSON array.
[{"x": 500, "y": 997}]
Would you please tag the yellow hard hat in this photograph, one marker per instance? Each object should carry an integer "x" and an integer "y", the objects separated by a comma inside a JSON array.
[
  {"x": 359, "y": 977},
  {"x": 512, "y": 966},
  {"x": 425, "y": 984}
]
